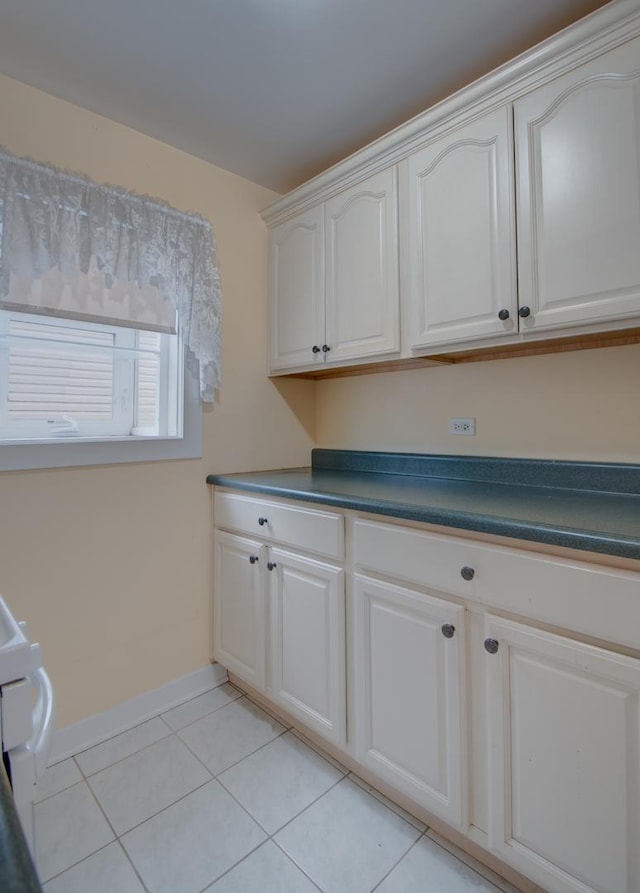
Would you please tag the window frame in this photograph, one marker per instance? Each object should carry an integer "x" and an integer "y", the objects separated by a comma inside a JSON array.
[{"x": 101, "y": 449}]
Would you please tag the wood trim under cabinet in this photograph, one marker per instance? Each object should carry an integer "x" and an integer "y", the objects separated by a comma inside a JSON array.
[{"x": 481, "y": 354}]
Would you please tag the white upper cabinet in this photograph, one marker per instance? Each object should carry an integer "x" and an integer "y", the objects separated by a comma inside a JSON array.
[
  {"x": 518, "y": 208},
  {"x": 362, "y": 293},
  {"x": 334, "y": 294},
  {"x": 296, "y": 255},
  {"x": 578, "y": 188},
  {"x": 461, "y": 237}
]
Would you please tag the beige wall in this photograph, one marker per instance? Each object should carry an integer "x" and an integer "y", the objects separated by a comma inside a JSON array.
[
  {"x": 581, "y": 405},
  {"x": 111, "y": 566}
]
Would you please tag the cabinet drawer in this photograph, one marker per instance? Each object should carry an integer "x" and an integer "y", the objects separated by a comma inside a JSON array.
[
  {"x": 573, "y": 595},
  {"x": 413, "y": 556},
  {"x": 318, "y": 532}
]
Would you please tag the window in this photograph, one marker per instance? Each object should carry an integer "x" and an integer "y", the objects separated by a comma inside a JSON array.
[
  {"x": 107, "y": 298},
  {"x": 63, "y": 378}
]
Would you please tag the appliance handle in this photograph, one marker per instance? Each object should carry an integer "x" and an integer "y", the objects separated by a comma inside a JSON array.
[{"x": 43, "y": 719}]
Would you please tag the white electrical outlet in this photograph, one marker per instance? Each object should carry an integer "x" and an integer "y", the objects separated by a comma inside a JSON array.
[{"x": 462, "y": 426}]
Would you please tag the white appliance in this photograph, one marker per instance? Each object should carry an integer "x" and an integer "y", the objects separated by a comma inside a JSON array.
[{"x": 27, "y": 712}]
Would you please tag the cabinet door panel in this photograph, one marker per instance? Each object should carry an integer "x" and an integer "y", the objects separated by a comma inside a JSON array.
[
  {"x": 408, "y": 691},
  {"x": 578, "y": 150},
  {"x": 564, "y": 766},
  {"x": 296, "y": 254},
  {"x": 362, "y": 269},
  {"x": 462, "y": 241},
  {"x": 308, "y": 642},
  {"x": 239, "y": 619}
]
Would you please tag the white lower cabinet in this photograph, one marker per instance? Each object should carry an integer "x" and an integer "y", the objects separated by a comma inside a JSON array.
[
  {"x": 525, "y": 740},
  {"x": 308, "y": 642},
  {"x": 279, "y": 615},
  {"x": 409, "y": 693},
  {"x": 239, "y": 608},
  {"x": 564, "y": 760}
]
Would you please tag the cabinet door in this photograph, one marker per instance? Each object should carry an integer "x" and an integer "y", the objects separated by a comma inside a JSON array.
[
  {"x": 296, "y": 290},
  {"x": 362, "y": 291},
  {"x": 239, "y": 608},
  {"x": 409, "y": 692},
  {"x": 564, "y": 760},
  {"x": 308, "y": 642},
  {"x": 578, "y": 159},
  {"x": 460, "y": 221}
]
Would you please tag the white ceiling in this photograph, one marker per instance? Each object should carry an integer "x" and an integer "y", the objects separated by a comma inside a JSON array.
[{"x": 274, "y": 90}]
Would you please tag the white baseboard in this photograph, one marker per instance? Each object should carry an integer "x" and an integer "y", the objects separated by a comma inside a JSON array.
[{"x": 97, "y": 728}]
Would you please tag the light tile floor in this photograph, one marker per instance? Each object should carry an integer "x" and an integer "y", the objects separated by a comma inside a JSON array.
[{"x": 216, "y": 795}]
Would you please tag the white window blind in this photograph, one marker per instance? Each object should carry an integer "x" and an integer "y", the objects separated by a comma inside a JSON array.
[
  {"x": 64, "y": 378},
  {"x": 148, "y": 385},
  {"x": 48, "y": 377}
]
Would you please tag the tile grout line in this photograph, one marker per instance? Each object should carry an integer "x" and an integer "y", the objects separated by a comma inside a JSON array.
[
  {"x": 170, "y": 731},
  {"x": 150, "y": 719},
  {"x": 346, "y": 774},
  {"x": 481, "y": 873},
  {"x": 87, "y": 775},
  {"x": 197, "y": 788},
  {"x": 213, "y": 777},
  {"x": 74, "y": 864},
  {"x": 395, "y": 865},
  {"x": 204, "y": 715},
  {"x": 402, "y": 813},
  {"x": 117, "y": 838},
  {"x": 278, "y": 830},
  {"x": 239, "y": 862},
  {"x": 138, "y": 725},
  {"x": 317, "y": 749},
  {"x": 133, "y": 866},
  {"x": 237, "y": 763},
  {"x": 299, "y": 867},
  {"x": 164, "y": 808}
]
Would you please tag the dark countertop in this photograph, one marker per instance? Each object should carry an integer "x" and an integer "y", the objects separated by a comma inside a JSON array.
[
  {"x": 17, "y": 873},
  {"x": 589, "y": 506}
]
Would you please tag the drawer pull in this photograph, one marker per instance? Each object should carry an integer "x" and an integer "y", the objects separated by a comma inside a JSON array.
[
  {"x": 491, "y": 645},
  {"x": 253, "y": 559},
  {"x": 271, "y": 565},
  {"x": 448, "y": 630},
  {"x": 467, "y": 573},
  {"x": 315, "y": 348},
  {"x": 262, "y": 521},
  {"x": 503, "y": 314}
]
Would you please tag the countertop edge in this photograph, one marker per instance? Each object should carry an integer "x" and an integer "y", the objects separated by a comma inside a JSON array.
[{"x": 529, "y": 531}]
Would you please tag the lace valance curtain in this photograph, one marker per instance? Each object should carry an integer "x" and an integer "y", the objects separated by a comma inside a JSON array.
[{"x": 149, "y": 259}]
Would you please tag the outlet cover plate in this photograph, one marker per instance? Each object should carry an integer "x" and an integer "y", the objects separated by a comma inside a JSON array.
[{"x": 466, "y": 427}]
